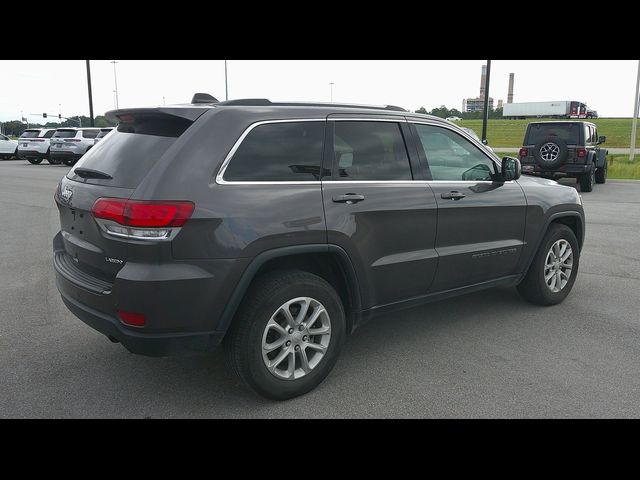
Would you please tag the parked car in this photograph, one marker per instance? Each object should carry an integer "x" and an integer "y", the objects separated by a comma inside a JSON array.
[
  {"x": 103, "y": 133},
  {"x": 68, "y": 145},
  {"x": 565, "y": 149},
  {"x": 453, "y": 119},
  {"x": 277, "y": 229},
  {"x": 34, "y": 145},
  {"x": 8, "y": 147}
]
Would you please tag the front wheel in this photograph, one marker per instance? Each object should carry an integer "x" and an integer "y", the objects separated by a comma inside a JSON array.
[
  {"x": 554, "y": 268},
  {"x": 287, "y": 335}
]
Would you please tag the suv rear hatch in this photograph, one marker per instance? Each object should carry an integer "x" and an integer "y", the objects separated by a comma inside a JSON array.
[
  {"x": 569, "y": 132},
  {"x": 29, "y": 138},
  {"x": 89, "y": 253},
  {"x": 62, "y": 136}
]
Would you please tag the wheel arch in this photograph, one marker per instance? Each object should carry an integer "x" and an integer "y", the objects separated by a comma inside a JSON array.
[
  {"x": 330, "y": 262},
  {"x": 572, "y": 219}
]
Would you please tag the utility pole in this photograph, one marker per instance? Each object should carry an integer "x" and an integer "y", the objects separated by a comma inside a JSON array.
[
  {"x": 115, "y": 80},
  {"x": 485, "y": 112},
  {"x": 226, "y": 84},
  {"x": 331, "y": 84},
  {"x": 634, "y": 124},
  {"x": 90, "y": 96}
]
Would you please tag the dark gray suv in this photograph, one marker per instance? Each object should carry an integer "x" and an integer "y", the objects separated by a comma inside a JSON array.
[{"x": 276, "y": 229}]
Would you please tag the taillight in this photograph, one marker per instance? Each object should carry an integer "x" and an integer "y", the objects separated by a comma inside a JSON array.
[
  {"x": 581, "y": 152},
  {"x": 139, "y": 219},
  {"x": 524, "y": 152},
  {"x": 132, "y": 318},
  {"x": 142, "y": 213}
]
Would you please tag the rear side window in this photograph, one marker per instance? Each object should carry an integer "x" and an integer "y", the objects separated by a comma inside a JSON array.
[
  {"x": 370, "y": 151},
  {"x": 569, "y": 132},
  {"x": 30, "y": 134},
  {"x": 49, "y": 134},
  {"x": 64, "y": 134},
  {"x": 89, "y": 133},
  {"x": 279, "y": 152},
  {"x": 103, "y": 133}
]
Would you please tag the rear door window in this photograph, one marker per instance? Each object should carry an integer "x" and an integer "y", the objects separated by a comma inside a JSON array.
[
  {"x": 370, "y": 151},
  {"x": 279, "y": 152}
]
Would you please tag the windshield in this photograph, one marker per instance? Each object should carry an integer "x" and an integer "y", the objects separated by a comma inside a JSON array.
[{"x": 569, "y": 132}]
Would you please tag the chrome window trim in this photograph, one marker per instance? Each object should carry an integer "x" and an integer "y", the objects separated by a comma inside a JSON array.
[{"x": 220, "y": 176}]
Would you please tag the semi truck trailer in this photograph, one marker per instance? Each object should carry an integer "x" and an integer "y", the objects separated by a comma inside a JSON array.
[{"x": 555, "y": 109}]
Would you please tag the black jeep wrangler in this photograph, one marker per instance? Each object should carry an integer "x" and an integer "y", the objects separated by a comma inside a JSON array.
[{"x": 565, "y": 149}]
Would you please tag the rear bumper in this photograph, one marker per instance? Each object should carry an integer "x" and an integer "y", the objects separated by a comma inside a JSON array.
[
  {"x": 568, "y": 169},
  {"x": 151, "y": 344},
  {"x": 27, "y": 153},
  {"x": 57, "y": 154},
  {"x": 182, "y": 301}
]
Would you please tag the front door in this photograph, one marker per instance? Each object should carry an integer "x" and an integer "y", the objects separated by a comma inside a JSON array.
[
  {"x": 481, "y": 220},
  {"x": 376, "y": 211}
]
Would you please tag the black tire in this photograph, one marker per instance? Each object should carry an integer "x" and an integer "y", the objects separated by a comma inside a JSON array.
[
  {"x": 16, "y": 154},
  {"x": 34, "y": 161},
  {"x": 563, "y": 153},
  {"x": 601, "y": 173},
  {"x": 51, "y": 161},
  {"x": 587, "y": 180},
  {"x": 243, "y": 342},
  {"x": 533, "y": 287},
  {"x": 69, "y": 162}
]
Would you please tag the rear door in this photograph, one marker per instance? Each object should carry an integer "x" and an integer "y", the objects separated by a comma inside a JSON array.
[
  {"x": 480, "y": 232},
  {"x": 376, "y": 211},
  {"x": 122, "y": 161}
]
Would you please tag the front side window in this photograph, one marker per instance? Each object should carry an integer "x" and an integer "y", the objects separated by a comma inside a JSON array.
[
  {"x": 449, "y": 156},
  {"x": 279, "y": 152},
  {"x": 370, "y": 151},
  {"x": 49, "y": 134},
  {"x": 2, "y": 137}
]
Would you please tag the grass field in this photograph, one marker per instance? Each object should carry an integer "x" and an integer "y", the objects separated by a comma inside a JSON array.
[{"x": 509, "y": 133}]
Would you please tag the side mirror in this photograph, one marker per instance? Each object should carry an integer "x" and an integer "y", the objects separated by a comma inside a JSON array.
[
  {"x": 602, "y": 139},
  {"x": 511, "y": 168}
]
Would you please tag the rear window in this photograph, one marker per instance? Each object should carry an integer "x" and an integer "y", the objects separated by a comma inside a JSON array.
[
  {"x": 30, "y": 134},
  {"x": 89, "y": 133},
  {"x": 569, "y": 132},
  {"x": 129, "y": 154},
  {"x": 64, "y": 134}
]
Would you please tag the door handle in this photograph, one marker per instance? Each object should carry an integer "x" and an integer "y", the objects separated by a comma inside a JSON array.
[
  {"x": 454, "y": 195},
  {"x": 348, "y": 198}
]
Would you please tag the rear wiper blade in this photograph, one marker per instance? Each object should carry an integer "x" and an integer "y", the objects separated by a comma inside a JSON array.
[{"x": 90, "y": 173}]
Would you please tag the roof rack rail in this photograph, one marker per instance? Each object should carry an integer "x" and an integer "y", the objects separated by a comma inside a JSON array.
[{"x": 260, "y": 102}]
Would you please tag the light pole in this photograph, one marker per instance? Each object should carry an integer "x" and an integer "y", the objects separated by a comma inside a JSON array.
[
  {"x": 90, "y": 95},
  {"x": 226, "y": 84},
  {"x": 634, "y": 123},
  {"x": 331, "y": 84},
  {"x": 115, "y": 80},
  {"x": 163, "y": 102},
  {"x": 60, "y": 113},
  {"x": 485, "y": 117}
]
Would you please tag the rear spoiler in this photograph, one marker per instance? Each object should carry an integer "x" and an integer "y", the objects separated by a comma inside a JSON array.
[{"x": 188, "y": 112}]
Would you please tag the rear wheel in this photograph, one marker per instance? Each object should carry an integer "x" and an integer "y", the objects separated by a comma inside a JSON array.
[
  {"x": 34, "y": 161},
  {"x": 554, "y": 268},
  {"x": 601, "y": 173},
  {"x": 68, "y": 161},
  {"x": 588, "y": 179},
  {"x": 287, "y": 335}
]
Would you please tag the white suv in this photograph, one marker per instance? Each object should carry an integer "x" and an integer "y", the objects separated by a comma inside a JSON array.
[
  {"x": 103, "y": 133},
  {"x": 33, "y": 144},
  {"x": 69, "y": 144}
]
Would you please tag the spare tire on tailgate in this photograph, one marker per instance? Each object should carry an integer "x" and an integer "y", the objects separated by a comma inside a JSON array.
[{"x": 550, "y": 153}]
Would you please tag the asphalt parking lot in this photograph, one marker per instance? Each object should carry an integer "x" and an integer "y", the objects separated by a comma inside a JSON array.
[{"x": 488, "y": 354}]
